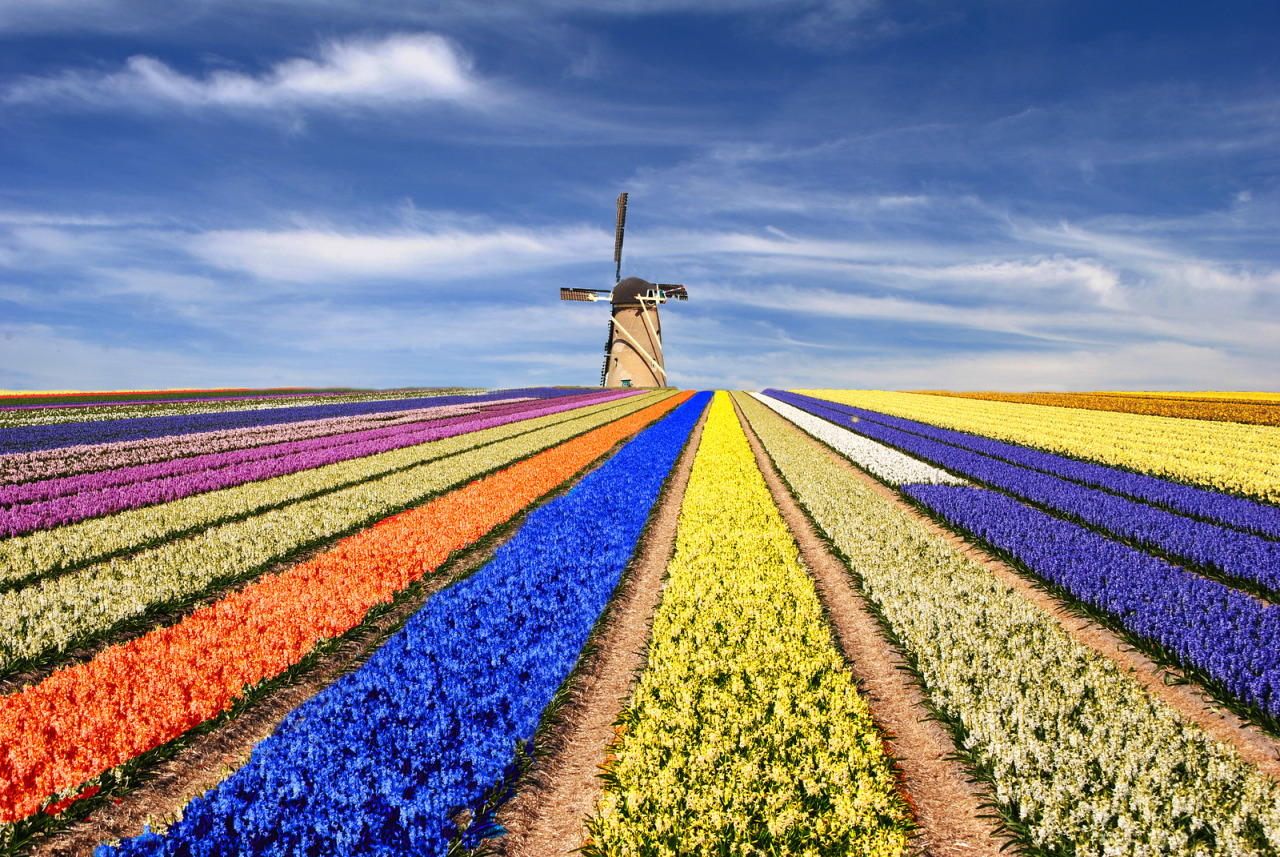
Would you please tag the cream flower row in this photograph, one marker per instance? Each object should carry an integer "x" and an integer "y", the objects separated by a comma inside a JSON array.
[
  {"x": 1243, "y": 459},
  {"x": 890, "y": 465},
  {"x": 56, "y": 614},
  {"x": 30, "y": 556},
  {"x": 1078, "y": 753},
  {"x": 746, "y": 734}
]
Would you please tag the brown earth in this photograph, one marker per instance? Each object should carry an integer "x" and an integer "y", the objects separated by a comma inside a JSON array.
[
  {"x": 947, "y": 805},
  {"x": 548, "y": 814}
]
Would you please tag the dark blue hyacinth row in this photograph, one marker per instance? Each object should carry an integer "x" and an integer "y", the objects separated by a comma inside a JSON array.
[
  {"x": 1202, "y": 503},
  {"x": 1235, "y": 554},
  {"x": 1221, "y": 631},
  {"x": 31, "y": 438},
  {"x": 378, "y": 763}
]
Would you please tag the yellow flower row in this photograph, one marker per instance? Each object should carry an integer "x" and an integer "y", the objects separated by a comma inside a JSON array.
[
  {"x": 1074, "y": 751},
  {"x": 1242, "y": 459},
  {"x": 746, "y": 734},
  {"x": 1260, "y": 413}
]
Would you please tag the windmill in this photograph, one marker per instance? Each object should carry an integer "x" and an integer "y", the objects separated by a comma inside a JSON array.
[{"x": 633, "y": 349}]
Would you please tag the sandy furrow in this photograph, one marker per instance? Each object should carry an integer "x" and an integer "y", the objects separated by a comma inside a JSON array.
[
  {"x": 1195, "y": 706},
  {"x": 947, "y": 804},
  {"x": 548, "y": 815}
]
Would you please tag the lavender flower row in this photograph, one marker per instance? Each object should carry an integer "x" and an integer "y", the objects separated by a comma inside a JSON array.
[
  {"x": 1206, "y": 625},
  {"x": 17, "y": 467},
  {"x": 1202, "y": 503},
  {"x": 27, "y": 438},
  {"x": 1242, "y": 556},
  {"x": 48, "y": 489},
  {"x": 65, "y": 510}
]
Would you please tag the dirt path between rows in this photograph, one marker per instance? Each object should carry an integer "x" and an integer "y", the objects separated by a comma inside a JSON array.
[
  {"x": 548, "y": 815},
  {"x": 1191, "y": 703},
  {"x": 947, "y": 804},
  {"x": 213, "y": 757}
]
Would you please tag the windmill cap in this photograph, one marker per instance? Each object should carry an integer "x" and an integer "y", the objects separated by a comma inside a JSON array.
[{"x": 629, "y": 290}]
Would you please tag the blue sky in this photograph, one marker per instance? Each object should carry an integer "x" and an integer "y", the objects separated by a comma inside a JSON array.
[{"x": 992, "y": 195}]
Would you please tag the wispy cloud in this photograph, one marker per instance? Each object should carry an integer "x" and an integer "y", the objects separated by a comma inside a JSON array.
[
  {"x": 399, "y": 69},
  {"x": 328, "y": 255}
]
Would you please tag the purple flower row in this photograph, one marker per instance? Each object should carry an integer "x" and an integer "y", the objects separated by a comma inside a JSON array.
[
  {"x": 18, "y": 467},
  {"x": 244, "y": 396},
  {"x": 1202, "y": 503},
  {"x": 92, "y": 503},
  {"x": 27, "y": 438},
  {"x": 1242, "y": 556},
  {"x": 49, "y": 489},
  {"x": 1222, "y": 632}
]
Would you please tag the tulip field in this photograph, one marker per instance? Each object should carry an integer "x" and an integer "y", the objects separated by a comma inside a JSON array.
[{"x": 172, "y": 562}]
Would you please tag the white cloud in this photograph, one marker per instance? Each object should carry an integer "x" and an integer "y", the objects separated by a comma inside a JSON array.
[
  {"x": 311, "y": 255},
  {"x": 402, "y": 68}
]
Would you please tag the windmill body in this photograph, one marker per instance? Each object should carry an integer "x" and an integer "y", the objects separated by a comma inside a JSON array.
[
  {"x": 633, "y": 348},
  {"x": 633, "y": 353}
]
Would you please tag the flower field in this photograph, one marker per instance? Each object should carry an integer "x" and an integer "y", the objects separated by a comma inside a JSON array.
[{"x": 173, "y": 562}]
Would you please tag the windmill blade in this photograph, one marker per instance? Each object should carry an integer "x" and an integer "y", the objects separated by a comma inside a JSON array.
[
  {"x": 673, "y": 292},
  {"x": 617, "y": 238},
  {"x": 580, "y": 294},
  {"x": 608, "y": 348}
]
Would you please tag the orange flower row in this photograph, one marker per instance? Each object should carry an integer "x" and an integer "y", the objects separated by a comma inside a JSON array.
[
  {"x": 87, "y": 719},
  {"x": 1191, "y": 408}
]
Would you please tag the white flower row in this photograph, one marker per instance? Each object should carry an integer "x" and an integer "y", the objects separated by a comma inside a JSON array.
[
  {"x": 95, "y": 413},
  {"x": 1079, "y": 753},
  {"x": 885, "y": 462},
  {"x": 55, "y": 614},
  {"x": 35, "y": 554}
]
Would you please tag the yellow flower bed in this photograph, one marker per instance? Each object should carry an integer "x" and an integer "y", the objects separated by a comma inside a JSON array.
[
  {"x": 746, "y": 734},
  {"x": 1242, "y": 459},
  {"x": 1262, "y": 413}
]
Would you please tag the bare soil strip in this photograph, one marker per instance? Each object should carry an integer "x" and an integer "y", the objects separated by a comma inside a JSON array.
[
  {"x": 1193, "y": 704},
  {"x": 548, "y": 814},
  {"x": 213, "y": 757},
  {"x": 947, "y": 804}
]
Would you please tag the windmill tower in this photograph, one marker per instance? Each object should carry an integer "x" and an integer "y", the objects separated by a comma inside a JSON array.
[{"x": 633, "y": 349}]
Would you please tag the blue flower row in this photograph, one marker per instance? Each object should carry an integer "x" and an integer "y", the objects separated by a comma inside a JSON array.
[
  {"x": 1201, "y": 503},
  {"x": 31, "y": 438},
  {"x": 1238, "y": 555},
  {"x": 377, "y": 763},
  {"x": 1206, "y": 625}
]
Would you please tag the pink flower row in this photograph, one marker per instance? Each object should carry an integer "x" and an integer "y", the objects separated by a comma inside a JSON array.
[
  {"x": 19, "y": 467},
  {"x": 103, "y": 493}
]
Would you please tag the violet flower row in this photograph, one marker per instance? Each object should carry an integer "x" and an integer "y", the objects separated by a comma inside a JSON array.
[
  {"x": 66, "y": 510},
  {"x": 1206, "y": 625},
  {"x": 1202, "y": 503},
  {"x": 27, "y": 438},
  {"x": 244, "y": 395},
  {"x": 18, "y": 467},
  {"x": 49, "y": 489},
  {"x": 1242, "y": 556}
]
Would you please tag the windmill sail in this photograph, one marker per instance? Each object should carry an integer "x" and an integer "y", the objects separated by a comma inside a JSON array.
[{"x": 617, "y": 238}]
